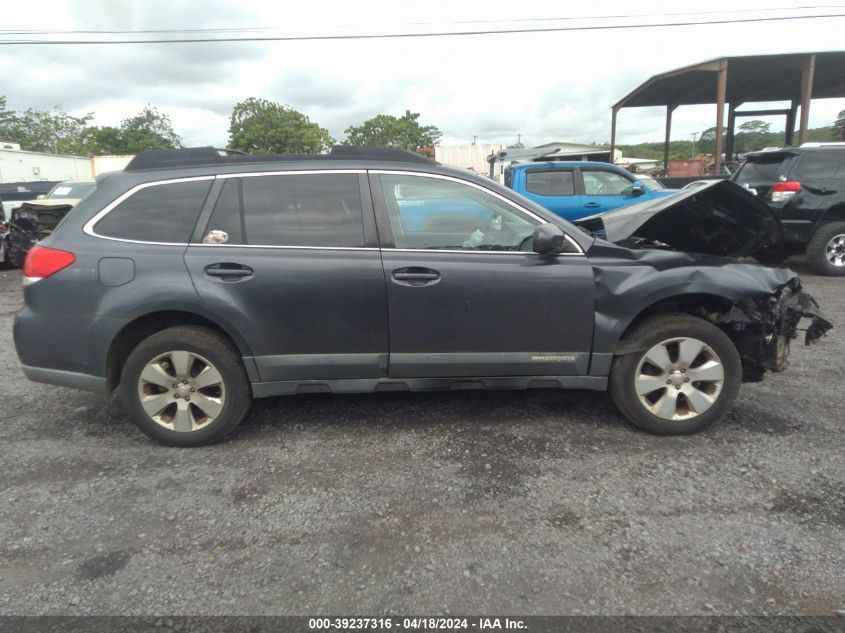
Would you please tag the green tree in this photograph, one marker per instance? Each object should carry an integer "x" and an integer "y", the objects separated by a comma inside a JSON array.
[
  {"x": 102, "y": 141},
  {"x": 259, "y": 126},
  {"x": 44, "y": 130},
  {"x": 7, "y": 117},
  {"x": 838, "y": 131},
  {"x": 386, "y": 130},
  {"x": 149, "y": 129},
  {"x": 755, "y": 126}
]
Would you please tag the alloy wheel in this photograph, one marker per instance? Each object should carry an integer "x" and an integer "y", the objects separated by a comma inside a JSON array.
[
  {"x": 679, "y": 378},
  {"x": 835, "y": 250},
  {"x": 181, "y": 391}
]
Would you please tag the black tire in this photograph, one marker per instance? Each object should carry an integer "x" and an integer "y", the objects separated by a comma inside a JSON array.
[
  {"x": 5, "y": 262},
  {"x": 207, "y": 344},
  {"x": 653, "y": 332},
  {"x": 817, "y": 249},
  {"x": 14, "y": 256}
]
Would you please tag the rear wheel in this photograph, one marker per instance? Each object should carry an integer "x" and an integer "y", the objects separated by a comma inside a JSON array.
[
  {"x": 826, "y": 250},
  {"x": 685, "y": 376},
  {"x": 185, "y": 386}
]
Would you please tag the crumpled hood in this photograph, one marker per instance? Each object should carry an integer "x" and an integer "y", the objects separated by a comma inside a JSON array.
[{"x": 721, "y": 218}]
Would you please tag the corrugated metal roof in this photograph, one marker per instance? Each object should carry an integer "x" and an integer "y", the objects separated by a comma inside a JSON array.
[{"x": 750, "y": 78}]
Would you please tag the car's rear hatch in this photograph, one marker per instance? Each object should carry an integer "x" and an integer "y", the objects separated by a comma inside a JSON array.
[{"x": 761, "y": 170}]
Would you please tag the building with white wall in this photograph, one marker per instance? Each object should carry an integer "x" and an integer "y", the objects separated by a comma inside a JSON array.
[{"x": 18, "y": 165}]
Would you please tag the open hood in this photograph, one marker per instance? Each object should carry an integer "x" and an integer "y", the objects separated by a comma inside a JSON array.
[{"x": 721, "y": 218}]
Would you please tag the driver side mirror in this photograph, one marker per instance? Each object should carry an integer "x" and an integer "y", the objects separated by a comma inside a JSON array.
[
  {"x": 637, "y": 189},
  {"x": 547, "y": 239}
]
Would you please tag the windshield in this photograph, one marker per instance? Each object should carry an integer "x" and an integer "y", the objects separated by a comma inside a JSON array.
[
  {"x": 651, "y": 183},
  {"x": 71, "y": 190}
]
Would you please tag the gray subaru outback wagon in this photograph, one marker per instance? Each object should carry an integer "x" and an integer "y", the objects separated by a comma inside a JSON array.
[{"x": 193, "y": 281}]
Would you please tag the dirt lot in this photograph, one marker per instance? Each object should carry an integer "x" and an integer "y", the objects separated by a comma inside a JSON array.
[{"x": 531, "y": 503}]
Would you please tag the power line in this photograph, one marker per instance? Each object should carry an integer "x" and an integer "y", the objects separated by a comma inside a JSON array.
[
  {"x": 375, "y": 36},
  {"x": 490, "y": 21}
]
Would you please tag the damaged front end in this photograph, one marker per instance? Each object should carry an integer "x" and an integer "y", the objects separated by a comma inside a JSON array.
[
  {"x": 30, "y": 223},
  {"x": 762, "y": 328}
]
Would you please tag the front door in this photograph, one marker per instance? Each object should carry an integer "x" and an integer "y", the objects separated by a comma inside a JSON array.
[
  {"x": 466, "y": 294},
  {"x": 605, "y": 190},
  {"x": 291, "y": 262}
]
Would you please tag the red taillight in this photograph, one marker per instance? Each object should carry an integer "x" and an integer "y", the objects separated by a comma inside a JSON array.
[
  {"x": 785, "y": 190},
  {"x": 42, "y": 262}
]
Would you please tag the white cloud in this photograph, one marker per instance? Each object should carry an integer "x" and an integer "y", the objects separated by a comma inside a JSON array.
[{"x": 544, "y": 86}]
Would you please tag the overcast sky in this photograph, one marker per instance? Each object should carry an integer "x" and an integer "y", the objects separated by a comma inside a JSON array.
[{"x": 544, "y": 86}]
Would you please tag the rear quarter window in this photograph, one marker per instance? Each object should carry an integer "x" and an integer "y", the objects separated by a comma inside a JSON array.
[
  {"x": 820, "y": 164},
  {"x": 157, "y": 213}
]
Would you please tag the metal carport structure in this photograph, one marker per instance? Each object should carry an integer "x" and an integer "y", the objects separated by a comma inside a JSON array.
[{"x": 793, "y": 77}]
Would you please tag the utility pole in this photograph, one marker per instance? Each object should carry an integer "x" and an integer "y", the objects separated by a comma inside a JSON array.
[{"x": 694, "y": 134}]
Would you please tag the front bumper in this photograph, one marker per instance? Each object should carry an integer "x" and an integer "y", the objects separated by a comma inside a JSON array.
[{"x": 764, "y": 327}]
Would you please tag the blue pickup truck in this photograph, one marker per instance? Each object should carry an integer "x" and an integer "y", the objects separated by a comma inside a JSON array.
[{"x": 575, "y": 190}]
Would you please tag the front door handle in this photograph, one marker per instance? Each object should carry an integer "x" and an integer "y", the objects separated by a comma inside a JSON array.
[
  {"x": 228, "y": 270},
  {"x": 415, "y": 276},
  {"x": 592, "y": 205}
]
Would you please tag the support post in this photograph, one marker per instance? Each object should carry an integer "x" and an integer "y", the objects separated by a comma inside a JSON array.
[
  {"x": 669, "y": 110},
  {"x": 806, "y": 94},
  {"x": 790, "y": 122},
  {"x": 729, "y": 137},
  {"x": 614, "y": 112},
  {"x": 721, "y": 89}
]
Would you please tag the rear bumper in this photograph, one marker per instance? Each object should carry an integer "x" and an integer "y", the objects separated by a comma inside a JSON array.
[
  {"x": 70, "y": 379},
  {"x": 64, "y": 349}
]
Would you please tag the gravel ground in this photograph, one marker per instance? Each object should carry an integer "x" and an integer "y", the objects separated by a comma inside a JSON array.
[{"x": 510, "y": 502}]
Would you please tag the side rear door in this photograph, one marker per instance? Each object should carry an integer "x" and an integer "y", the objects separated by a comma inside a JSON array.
[
  {"x": 554, "y": 189},
  {"x": 290, "y": 260},
  {"x": 821, "y": 174},
  {"x": 467, "y": 296}
]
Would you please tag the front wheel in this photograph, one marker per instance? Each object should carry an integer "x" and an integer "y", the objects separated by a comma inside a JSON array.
[
  {"x": 684, "y": 377},
  {"x": 185, "y": 386}
]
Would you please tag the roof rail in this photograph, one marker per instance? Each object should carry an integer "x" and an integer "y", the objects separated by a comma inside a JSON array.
[
  {"x": 823, "y": 144},
  {"x": 199, "y": 156}
]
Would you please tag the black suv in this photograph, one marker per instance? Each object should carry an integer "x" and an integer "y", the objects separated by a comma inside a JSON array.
[
  {"x": 192, "y": 281},
  {"x": 806, "y": 187}
]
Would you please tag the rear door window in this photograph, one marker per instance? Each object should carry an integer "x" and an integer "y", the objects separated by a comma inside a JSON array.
[
  {"x": 820, "y": 164},
  {"x": 558, "y": 182},
  {"x": 163, "y": 213},
  {"x": 321, "y": 210}
]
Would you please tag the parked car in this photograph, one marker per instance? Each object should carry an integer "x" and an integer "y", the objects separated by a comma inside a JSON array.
[
  {"x": 806, "y": 188},
  {"x": 32, "y": 221},
  {"x": 577, "y": 189},
  {"x": 192, "y": 282}
]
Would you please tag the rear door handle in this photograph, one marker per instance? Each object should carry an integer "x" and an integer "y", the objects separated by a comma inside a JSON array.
[
  {"x": 415, "y": 276},
  {"x": 228, "y": 270},
  {"x": 592, "y": 205}
]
